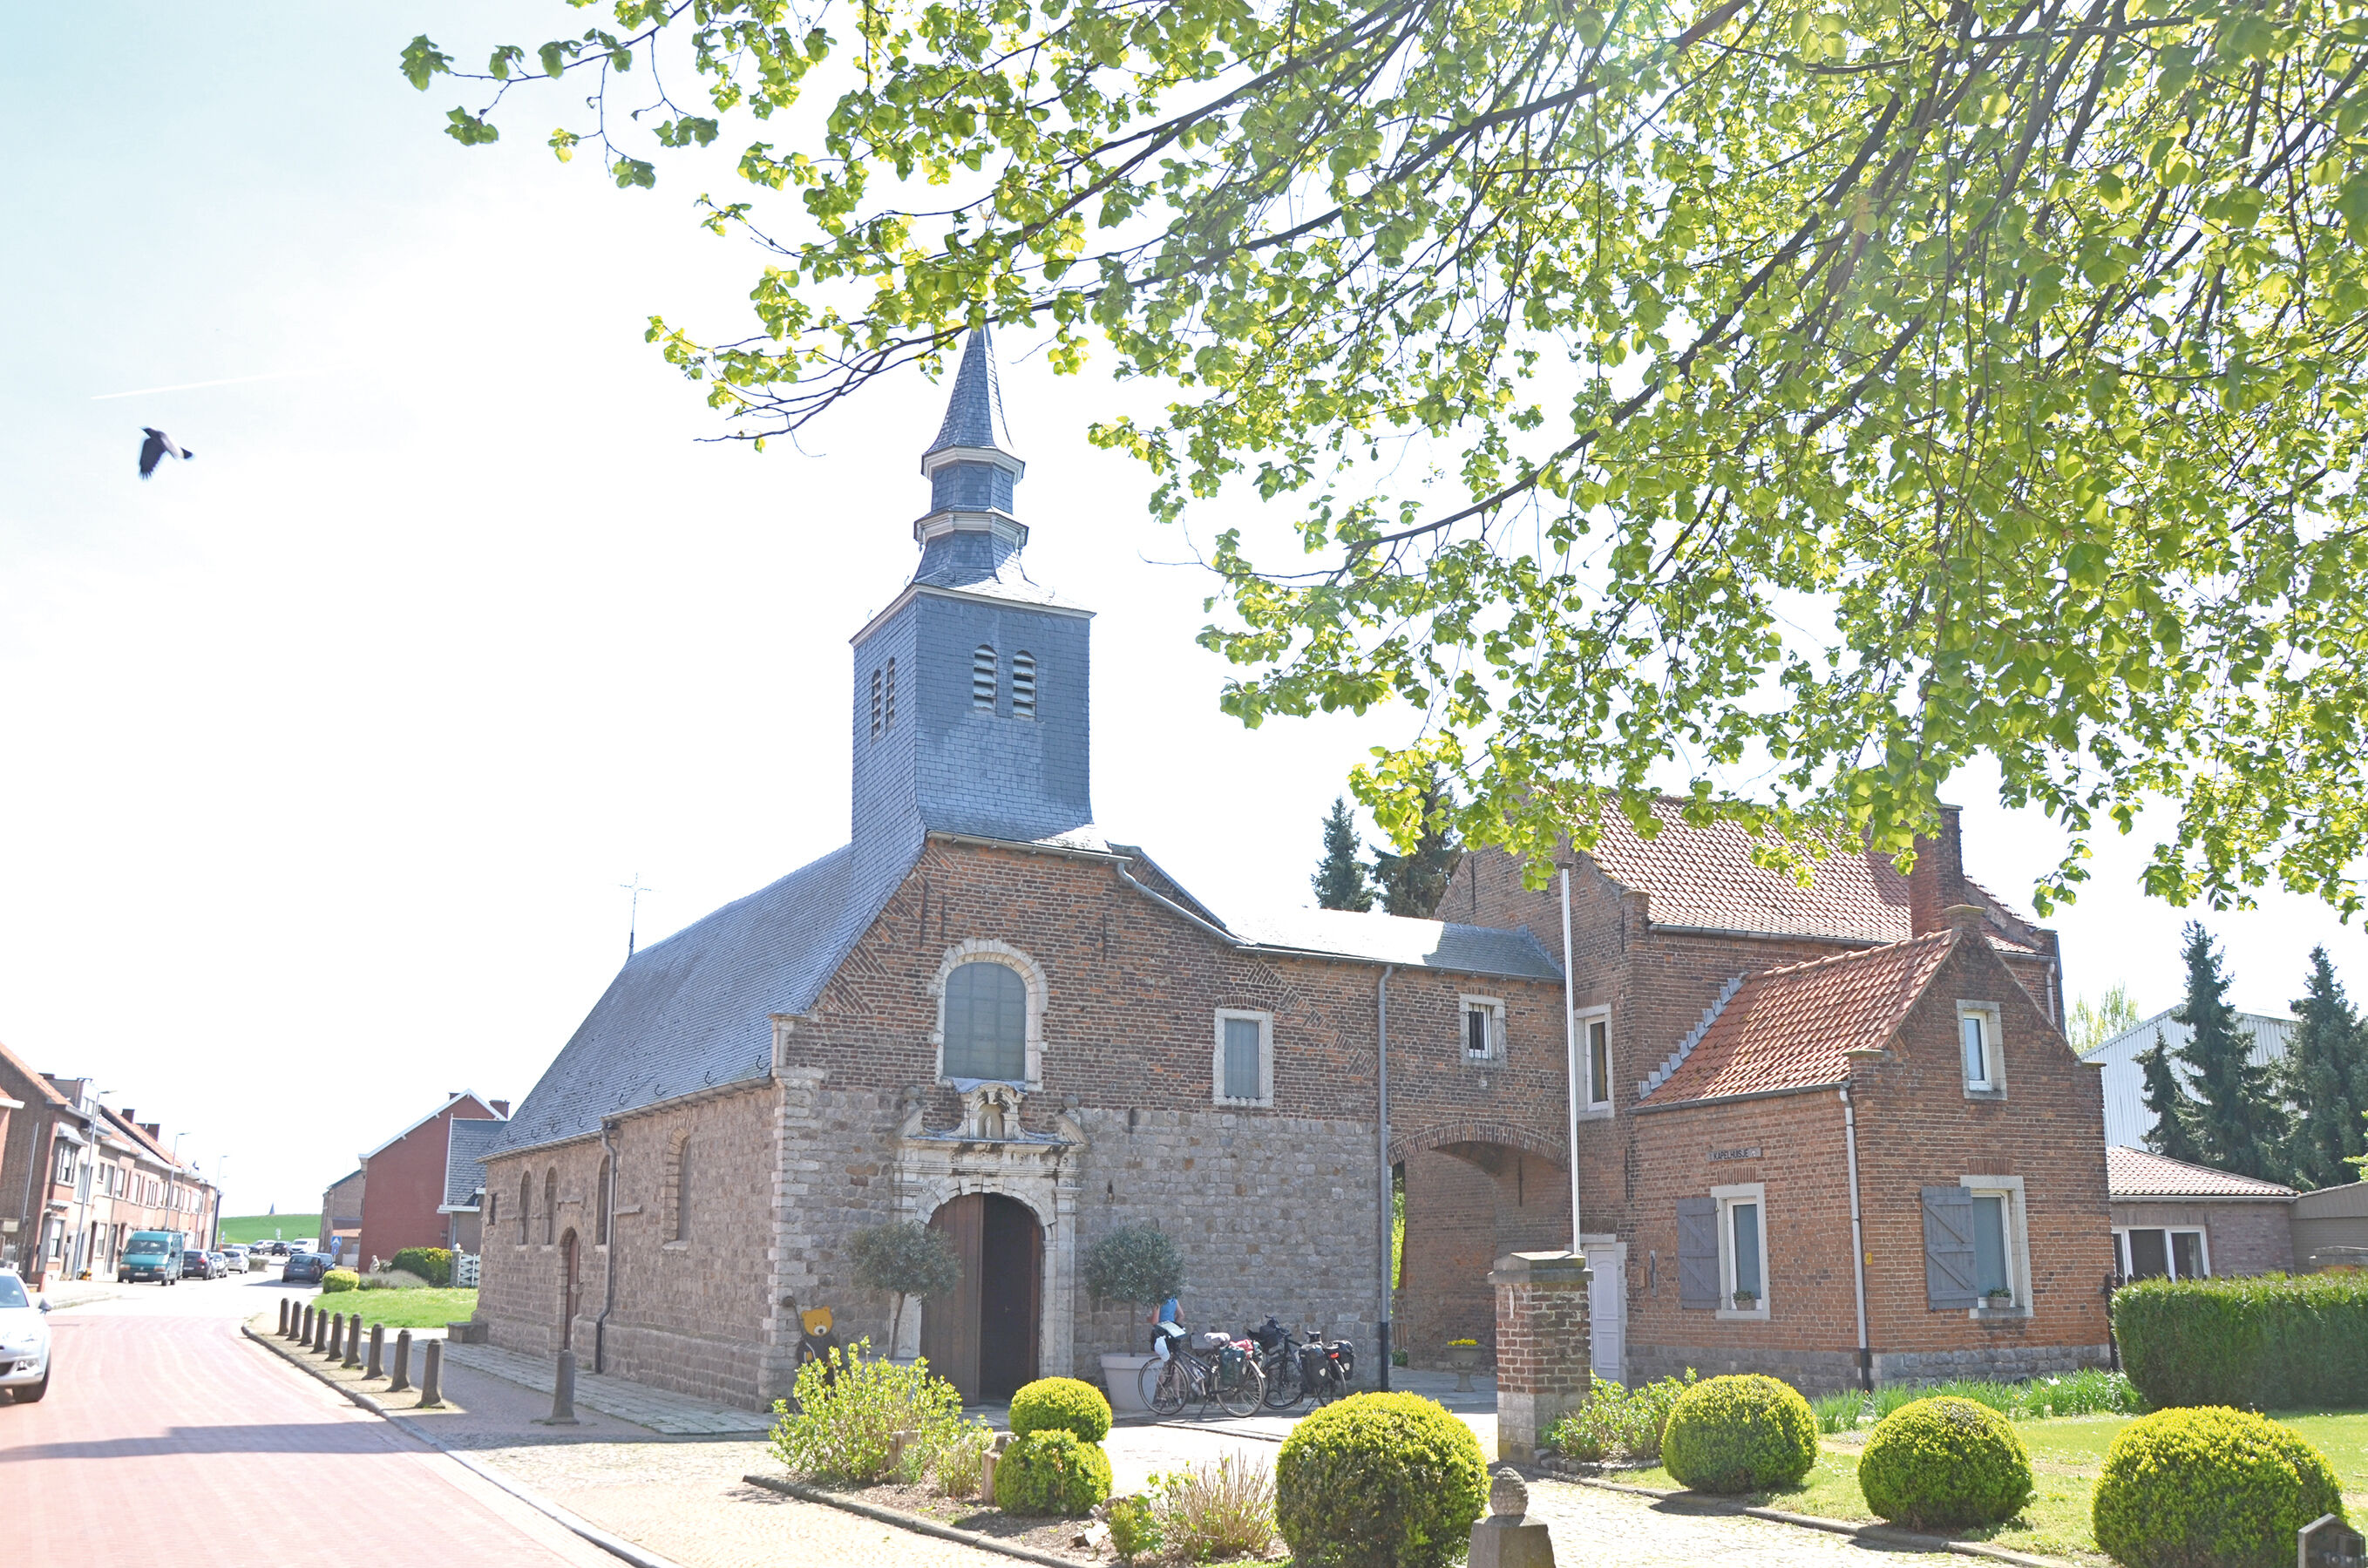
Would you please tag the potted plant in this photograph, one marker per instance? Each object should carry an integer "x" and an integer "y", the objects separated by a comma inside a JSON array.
[
  {"x": 1746, "y": 1300},
  {"x": 1998, "y": 1297},
  {"x": 904, "y": 1259},
  {"x": 1464, "y": 1356},
  {"x": 1136, "y": 1264}
]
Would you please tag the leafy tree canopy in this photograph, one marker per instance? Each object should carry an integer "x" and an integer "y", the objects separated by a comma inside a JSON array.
[
  {"x": 1794, "y": 398},
  {"x": 1412, "y": 883},
  {"x": 2091, "y": 1024}
]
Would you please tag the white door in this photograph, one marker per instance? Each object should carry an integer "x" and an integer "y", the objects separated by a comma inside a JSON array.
[{"x": 1607, "y": 1305}]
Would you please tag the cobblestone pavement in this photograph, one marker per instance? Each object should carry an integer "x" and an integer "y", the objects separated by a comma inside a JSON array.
[
  {"x": 160, "y": 1416},
  {"x": 1593, "y": 1526}
]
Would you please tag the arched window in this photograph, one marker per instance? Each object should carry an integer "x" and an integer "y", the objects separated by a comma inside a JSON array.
[
  {"x": 982, "y": 677},
  {"x": 549, "y": 1206},
  {"x": 889, "y": 722},
  {"x": 875, "y": 705},
  {"x": 525, "y": 1203},
  {"x": 493, "y": 1211},
  {"x": 600, "y": 1198},
  {"x": 986, "y": 1022},
  {"x": 682, "y": 1191},
  {"x": 1023, "y": 685}
]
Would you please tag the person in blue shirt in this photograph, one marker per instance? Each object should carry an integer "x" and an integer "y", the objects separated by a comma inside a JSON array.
[{"x": 1167, "y": 1320}]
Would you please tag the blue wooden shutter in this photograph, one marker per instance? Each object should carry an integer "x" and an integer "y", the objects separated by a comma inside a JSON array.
[
  {"x": 1698, "y": 1253},
  {"x": 1949, "y": 1249}
]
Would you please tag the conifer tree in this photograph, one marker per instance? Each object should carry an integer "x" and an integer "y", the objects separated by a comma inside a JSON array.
[
  {"x": 1413, "y": 884},
  {"x": 2325, "y": 1081},
  {"x": 1340, "y": 878},
  {"x": 2238, "y": 1122},
  {"x": 2174, "y": 1113}
]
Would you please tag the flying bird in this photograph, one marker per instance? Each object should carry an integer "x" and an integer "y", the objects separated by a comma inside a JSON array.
[{"x": 154, "y": 448}]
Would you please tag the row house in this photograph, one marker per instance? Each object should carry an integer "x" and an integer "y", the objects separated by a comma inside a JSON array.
[{"x": 77, "y": 1177}]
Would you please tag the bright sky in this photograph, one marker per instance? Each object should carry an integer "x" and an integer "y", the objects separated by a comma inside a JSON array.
[{"x": 323, "y": 756}]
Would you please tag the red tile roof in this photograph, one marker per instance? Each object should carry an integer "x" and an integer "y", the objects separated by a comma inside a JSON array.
[
  {"x": 1703, "y": 877},
  {"x": 2140, "y": 1173},
  {"x": 1788, "y": 1027}
]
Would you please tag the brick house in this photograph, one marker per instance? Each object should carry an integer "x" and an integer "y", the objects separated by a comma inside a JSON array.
[
  {"x": 986, "y": 1014},
  {"x": 2184, "y": 1222},
  {"x": 402, "y": 1184}
]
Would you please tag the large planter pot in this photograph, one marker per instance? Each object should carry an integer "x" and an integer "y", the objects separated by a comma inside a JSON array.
[
  {"x": 1465, "y": 1359},
  {"x": 1122, "y": 1378}
]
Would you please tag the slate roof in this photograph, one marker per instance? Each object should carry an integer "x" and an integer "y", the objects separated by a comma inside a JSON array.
[
  {"x": 2141, "y": 1173},
  {"x": 1408, "y": 943},
  {"x": 1703, "y": 877},
  {"x": 693, "y": 1012},
  {"x": 1788, "y": 1027},
  {"x": 464, "y": 1168},
  {"x": 974, "y": 411}
]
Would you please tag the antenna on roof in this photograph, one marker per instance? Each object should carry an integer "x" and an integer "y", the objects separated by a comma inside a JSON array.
[{"x": 633, "y": 913}]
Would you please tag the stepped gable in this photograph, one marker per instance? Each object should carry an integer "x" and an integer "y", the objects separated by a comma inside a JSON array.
[{"x": 1790, "y": 1028}]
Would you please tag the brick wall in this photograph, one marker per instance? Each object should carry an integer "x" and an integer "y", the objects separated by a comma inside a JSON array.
[
  {"x": 1467, "y": 1205},
  {"x": 1542, "y": 1336},
  {"x": 2241, "y": 1238},
  {"x": 405, "y": 1186}
]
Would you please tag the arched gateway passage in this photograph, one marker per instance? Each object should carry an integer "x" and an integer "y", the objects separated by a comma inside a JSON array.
[
  {"x": 1468, "y": 1203},
  {"x": 982, "y": 1336}
]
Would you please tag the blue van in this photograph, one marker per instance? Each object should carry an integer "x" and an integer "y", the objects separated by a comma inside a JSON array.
[{"x": 153, "y": 1254}]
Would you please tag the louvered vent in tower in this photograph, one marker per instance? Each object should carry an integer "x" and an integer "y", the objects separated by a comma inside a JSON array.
[
  {"x": 981, "y": 678},
  {"x": 1023, "y": 685}
]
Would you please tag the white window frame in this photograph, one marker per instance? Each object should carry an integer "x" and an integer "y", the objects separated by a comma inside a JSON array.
[
  {"x": 978, "y": 948},
  {"x": 1265, "y": 1022},
  {"x": 2018, "y": 1243},
  {"x": 1600, "y": 1096},
  {"x": 1992, "y": 1087},
  {"x": 1494, "y": 1009},
  {"x": 2170, "y": 1256},
  {"x": 1729, "y": 1196}
]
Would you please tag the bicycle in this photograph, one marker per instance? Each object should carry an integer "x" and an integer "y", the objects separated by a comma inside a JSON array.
[
  {"x": 1227, "y": 1377},
  {"x": 1278, "y": 1357}
]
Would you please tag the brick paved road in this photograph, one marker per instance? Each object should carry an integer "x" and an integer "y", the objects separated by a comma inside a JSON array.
[{"x": 169, "y": 1438}]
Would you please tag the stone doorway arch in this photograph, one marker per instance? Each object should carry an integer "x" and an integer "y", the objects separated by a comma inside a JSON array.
[{"x": 986, "y": 1336}]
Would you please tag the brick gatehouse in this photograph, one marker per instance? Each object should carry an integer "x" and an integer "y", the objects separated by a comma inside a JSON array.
[{"x": 985, "y": 1013}]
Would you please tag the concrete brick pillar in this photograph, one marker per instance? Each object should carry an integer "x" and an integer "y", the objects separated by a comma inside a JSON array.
[{"x": 1544, "y": 1354}]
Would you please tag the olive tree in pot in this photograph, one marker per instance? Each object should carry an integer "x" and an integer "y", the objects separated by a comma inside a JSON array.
[
  {"x": 1137, "y": 1263},
  {"x": 903, "y": 1259}
]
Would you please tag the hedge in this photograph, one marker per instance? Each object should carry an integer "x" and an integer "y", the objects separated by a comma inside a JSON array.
[
  {"x": 1739, "y": 1434},
  {"x": 2272, "y": 1341},
  {"x": 431, "y": 1264},
  {"x": 2212, "y": 1486}
]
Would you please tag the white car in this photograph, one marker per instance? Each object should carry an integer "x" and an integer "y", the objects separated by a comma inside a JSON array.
[
  {"x": 237, "y": 1256},
  {"x": 23, "y": 1342}
]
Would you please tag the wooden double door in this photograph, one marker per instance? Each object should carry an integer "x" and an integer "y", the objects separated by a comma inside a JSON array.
[{"x": 982, "y": 1336}]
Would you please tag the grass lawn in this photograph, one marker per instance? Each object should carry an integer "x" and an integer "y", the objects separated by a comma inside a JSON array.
[
  {"x": 2066, "y": 1454},
  {"x": 404, "y": 1309},
  {"x": 246, "y": 1229}
]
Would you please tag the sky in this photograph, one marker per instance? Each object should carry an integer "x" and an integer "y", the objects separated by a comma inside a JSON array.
[{"x": 324, "y": 755}]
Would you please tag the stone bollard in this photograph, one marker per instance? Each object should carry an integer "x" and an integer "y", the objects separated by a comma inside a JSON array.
[
  {"x": 1545, "y": 1361},
  {"x": 1506, "y": 1539},
  {"x": 987, "y": 1466},
  {"x": 353, "y": 1342},
  {"x": 283, "y": 1317},
  {"x": 562, "y": 1393},
  {"x": 431, "y": 1376},
  {"x": 378, "y": 1351},
  {"x": 401, "y": 1377},
  {"x": 304, "y": 1335},
  {"x": 335, "y": 1348},
  {"x": 899, "y": 1440}
]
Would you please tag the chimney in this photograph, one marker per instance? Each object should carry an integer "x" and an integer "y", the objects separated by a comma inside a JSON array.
[
  {"x": 1937, "y": 883},
  {"x": 501, "y": 1108},
  {"x": 131, "y": 1117},
  {"x": 155, "y": 1130}
]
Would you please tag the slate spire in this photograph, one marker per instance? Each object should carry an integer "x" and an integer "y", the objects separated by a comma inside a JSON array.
[{"x": 969, "y": 532}]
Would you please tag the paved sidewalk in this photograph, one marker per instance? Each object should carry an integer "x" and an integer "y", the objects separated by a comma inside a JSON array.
[{"x": 672, "y": 1414}]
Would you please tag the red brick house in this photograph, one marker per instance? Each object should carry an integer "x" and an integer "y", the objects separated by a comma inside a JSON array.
[{"x": 403, "y": 1181}]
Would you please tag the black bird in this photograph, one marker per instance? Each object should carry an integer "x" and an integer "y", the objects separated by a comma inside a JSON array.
[{"x": 154, "y": 450}]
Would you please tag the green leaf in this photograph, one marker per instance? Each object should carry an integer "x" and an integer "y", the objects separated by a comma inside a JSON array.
[
  {"x": 422, "y": 59},
  {"x": 468, "y": 130}
]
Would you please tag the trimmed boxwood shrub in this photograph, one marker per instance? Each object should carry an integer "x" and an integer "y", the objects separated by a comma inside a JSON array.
[
  {"x": 1060, "y": 1404},
  {"x": 1944, "y": 1461},
  {"x": 431, "y": 1264},
  {"x": 338, "y": 1280},
  {"x": 2209, "y": 1488},
  {"x": 2272, "y": 1342},
  {"x": 1379, "y": 1481},
  {"x": 1739, "y": 1434},
  {"x": 1052, "y": 1472}
]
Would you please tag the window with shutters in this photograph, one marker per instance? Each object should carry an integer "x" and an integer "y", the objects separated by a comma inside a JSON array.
[
  {"x": 1023, "y": 684},
  {"x": 982, "y": 678},
  {"x": 2145, "y": 1252},
  {"x": 1976, "y": 1249},
  {"x": 1697, "y": 1269},
  {"x": 1742, "y": 1250},
  {"x": 1978, "y": 1049},
  {"x": 1594, "y": 1029},
  {"x": 1244, "y": 1062},
  {"x": 1484, "y": 1029}
]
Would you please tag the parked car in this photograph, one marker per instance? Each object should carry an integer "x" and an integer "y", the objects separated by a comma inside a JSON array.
[
  {"x": 221, "y": 1263},
  {"x": 277, "y": 1249},
  {"x": 305, "y": 1268},
  {"x": 153, "y": 1254},
  {"x": 24, "y": 1340},
  {"x": 197, "y": 1265},
  {"x": 235, "y": 1257}
]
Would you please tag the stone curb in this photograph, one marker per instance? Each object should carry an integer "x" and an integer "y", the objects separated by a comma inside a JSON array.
[
  {"x": 1880, "y": 1534},
  {"x": 913, "y": 1522},
  {"x": 616, "y": 1546}
]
